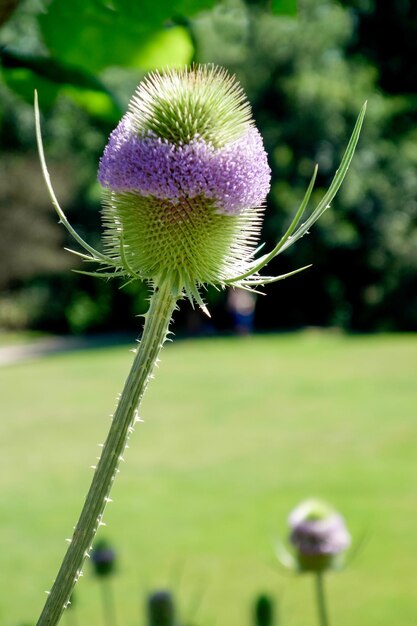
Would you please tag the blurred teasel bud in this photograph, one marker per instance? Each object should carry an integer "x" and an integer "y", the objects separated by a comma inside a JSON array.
[
  {"x": 264, "y": 611},
  {"x": 185, "y": 175},
  {"x": 103, "y": 559},
  {"x": 161, "y": 609},
  {"x": 319, "y": 536}
]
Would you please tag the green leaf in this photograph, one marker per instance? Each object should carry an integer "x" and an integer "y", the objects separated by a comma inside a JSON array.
[
  {"x": 170, "y": 46},
  {"x": 25, "y": 72},
  {"x": 24, "y": 82},
  {"x": 51, "y": 69},
  {"x": 284, "y": 7},
  {"x": 97, "y": 104},
  {"x": 92, "y": 34}
]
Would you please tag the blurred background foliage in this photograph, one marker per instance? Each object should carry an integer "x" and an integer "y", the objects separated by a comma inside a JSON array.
[{"x": 307, "y": 69}]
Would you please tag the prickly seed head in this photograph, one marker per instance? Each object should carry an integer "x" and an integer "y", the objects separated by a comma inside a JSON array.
[{"x": 185, "y": 174}]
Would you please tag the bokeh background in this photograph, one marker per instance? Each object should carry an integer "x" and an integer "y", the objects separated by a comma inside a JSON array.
[
  {"x": 306, "y": 74},
  {"x": 237, "y": 430}
]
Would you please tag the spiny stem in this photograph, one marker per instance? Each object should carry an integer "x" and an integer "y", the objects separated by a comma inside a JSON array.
[
  {"x": 155, "y": 330},
  {"x": 321, "y": 600}
]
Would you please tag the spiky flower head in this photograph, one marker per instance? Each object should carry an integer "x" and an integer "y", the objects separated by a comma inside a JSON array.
[
  {"x": 319, "y": 535},
  {"x": 185, "y": 175}
]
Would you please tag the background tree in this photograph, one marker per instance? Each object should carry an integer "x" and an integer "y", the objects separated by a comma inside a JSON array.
[{"x": 306, "y": 76}]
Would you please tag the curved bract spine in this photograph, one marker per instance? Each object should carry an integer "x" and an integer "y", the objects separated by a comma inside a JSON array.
[{"x": 293, "y": 233}]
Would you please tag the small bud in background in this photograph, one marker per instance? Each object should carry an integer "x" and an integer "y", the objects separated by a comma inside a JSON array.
[
  {"x": 103, "y": 558},
  {"x": 264, "y": 611},
  {"x": 319, "y": 536},
  {"x": 161, "y": 609}
]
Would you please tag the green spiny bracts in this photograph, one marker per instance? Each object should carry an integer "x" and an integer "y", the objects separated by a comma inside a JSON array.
[
  {"x": 188, "y": 242},
  {"x": 203, "y": 101}
]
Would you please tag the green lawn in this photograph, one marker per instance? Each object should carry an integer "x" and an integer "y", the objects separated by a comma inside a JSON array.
[
  {"x": 236, "y": 432},
  {"x": 9, "y": 338}
]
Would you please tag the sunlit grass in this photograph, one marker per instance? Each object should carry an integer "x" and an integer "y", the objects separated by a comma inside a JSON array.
[{"x": 236, "y": 432}]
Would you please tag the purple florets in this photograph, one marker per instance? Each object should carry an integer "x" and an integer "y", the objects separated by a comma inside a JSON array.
[
  {"x": 235, "y": 177},
  {"x": 327, "y": 536}
]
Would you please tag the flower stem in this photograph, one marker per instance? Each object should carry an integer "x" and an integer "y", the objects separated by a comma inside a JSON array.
[
  {"x": 155, "y": 331},
  {"x": 108, "y": 603},
  {"x": 321, "y": 600}
]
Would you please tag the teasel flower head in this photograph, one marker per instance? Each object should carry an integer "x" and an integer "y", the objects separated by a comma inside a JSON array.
[
  {"x": 185, "y": 178},
  {"x": 318, "y": 535}
]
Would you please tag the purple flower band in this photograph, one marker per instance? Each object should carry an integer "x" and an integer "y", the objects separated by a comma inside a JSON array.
[
  {"x": 327, "y": 536},
  {"x": 235, "y": 177}
]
